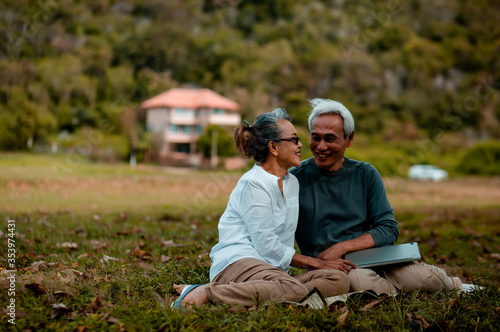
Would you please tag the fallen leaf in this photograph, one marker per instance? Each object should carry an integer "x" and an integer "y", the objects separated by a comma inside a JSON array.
[
  {"x": 62, "y": 294},
  {"x": 370, "y": 305},
  {"x": 475, "y": 243},
  {"x": 204, "y": 254},
  {"x": 87, "y": 255},
  {"x": 98, "y": 303},
  {"x": 96, "y": 244},
  {"x": 442, "y": 260},
  {"x": 343, "y": 317},
  {"x": 80, "y": 274},
  {"x": 43, "y": 221},
  {"x": 451, "y": 303},
  {"x": 335, "y": 307},
  {"x": 168, "y": 243},
  {"x": 147, "y": 257},
  {"x": 136, "y": 229},
  {"x": 142, "y": 254},
  {"x": 80, "y": 328},
  {"x": 113, "y": 320},
  {"x": 38, "y": 266},
  {"x": 496, "y": 256},
  {"x": 67, "y": 245},
  {"x": 76, "y": 272},
  {"x": 106, "y": 258},
  {"x": 124, "y": 232},
  {"x": 497, "y": 309},
  {"x": 441, "y": 326},
  {"x": 417, "y": 321},
  {"x": 164, "y": 258},
  {"x": 472, "y": 232},
  {"x": 137, "y": 252},
  {"x": 59, "y": 309},
  {"x": 37, "y": 288}
]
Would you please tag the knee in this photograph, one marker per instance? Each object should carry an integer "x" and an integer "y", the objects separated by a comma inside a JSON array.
[
  {"x": 434, "y": 278},
  {"x": 422, "y": 276},
  {"x": 358, "y": 278},
  {"x": 339, "y": 280},
  {"x": 293, "y": 291}
]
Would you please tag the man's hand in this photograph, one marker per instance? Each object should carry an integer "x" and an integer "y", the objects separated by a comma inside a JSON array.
[{"x": 336, "y": 251}]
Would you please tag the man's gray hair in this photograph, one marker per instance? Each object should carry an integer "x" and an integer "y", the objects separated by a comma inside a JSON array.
[{"x": 329, "y": 107}]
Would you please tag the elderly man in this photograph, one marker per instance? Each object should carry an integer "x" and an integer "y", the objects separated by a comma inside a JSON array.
[{"x": 344, "y": 208}]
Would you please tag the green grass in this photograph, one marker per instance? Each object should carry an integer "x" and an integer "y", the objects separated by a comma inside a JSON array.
[{"x": 114, "y": 241}]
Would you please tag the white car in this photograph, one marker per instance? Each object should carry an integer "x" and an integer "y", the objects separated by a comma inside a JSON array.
[{"x": 427, "y": 172}]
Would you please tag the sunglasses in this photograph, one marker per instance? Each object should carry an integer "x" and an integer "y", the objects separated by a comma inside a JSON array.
[{"x": 294, "y": 139}]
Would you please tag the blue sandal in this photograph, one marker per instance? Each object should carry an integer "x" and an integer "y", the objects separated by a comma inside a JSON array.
[{"x": 178, "y": 303}]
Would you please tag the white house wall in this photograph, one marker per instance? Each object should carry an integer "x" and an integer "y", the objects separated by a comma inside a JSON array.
[
  {"x": 157, "y": 119},
  {"x": 224, "y": 119}
]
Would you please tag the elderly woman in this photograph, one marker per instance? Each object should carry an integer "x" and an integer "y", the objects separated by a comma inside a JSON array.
[{"x": 256, "y": 231}]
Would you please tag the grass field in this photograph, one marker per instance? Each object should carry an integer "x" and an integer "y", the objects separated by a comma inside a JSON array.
[{"x": 99, "y": 247}]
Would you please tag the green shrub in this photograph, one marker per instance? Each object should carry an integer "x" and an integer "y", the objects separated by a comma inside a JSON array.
[{"x": 482, "y": 159}]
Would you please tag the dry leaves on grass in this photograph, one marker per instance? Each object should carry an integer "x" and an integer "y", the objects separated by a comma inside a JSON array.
[
  {"x": 59, "y": 309},
  {"x": 37, "y": 288},
  {"x": 371, "y": 305},
  {"x": 165, "y": 259},
  {"x": 44, "y": 266},
  {"x": 113, "y": 320},
  {"x": 170, "y": 243},
  {"x": 343, "y": 317},
  {"x": 98, "y": 244},
  {"x": 137, "y": 252},
  {"x": 418, "y": 322},
  {"x": 67, "y": 245}
]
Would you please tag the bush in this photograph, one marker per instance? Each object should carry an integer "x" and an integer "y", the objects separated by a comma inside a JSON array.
[{"x": 482, "y": 159}]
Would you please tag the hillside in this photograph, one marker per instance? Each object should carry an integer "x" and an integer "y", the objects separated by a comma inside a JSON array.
[{"x": 408, "y": 70}]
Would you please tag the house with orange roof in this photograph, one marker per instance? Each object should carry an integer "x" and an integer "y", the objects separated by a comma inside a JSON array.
[{"x": 178, "y": 117}]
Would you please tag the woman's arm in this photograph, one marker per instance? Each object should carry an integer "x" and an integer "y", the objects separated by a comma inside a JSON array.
[{"x": 307, "y": 262}]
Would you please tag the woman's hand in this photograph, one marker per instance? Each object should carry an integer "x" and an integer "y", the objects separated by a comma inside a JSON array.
[
  {"x": 310, "y": 263},
  {"x": 336, "y": 264}
]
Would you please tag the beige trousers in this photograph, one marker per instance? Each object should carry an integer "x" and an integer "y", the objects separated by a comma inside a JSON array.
[
  {"x": 249, "y": 280},
  {"x": 402, "y": 277}
]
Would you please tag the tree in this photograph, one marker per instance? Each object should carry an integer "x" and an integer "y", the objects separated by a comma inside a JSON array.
[{"x": 225, "y": 144}]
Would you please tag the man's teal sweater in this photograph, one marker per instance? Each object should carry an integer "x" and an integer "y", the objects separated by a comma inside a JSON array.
[{"x": 342, "y": 205}]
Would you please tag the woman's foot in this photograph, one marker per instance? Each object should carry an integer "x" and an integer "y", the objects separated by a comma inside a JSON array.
[
  {"x": 196, "y": 296},
  {"x": 179, "y": 288}
]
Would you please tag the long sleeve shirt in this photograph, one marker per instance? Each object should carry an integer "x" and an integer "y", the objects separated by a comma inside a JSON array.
[
  {"x": 259, "y": 222},
  {"x": 342, "y": 205}
]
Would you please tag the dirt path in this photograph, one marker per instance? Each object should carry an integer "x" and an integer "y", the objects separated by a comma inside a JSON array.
[{"x": 457, "y": 193}]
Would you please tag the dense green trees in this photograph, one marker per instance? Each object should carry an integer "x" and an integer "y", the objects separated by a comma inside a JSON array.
[{"x": 66, "y": 65}]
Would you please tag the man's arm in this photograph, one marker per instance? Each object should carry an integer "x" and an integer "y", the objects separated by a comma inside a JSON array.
[{"x": 338, "y": 250}]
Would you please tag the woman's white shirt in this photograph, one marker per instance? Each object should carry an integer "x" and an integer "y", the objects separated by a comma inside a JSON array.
[{"x": 259, "y": 222}]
